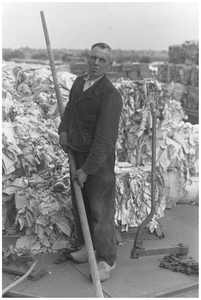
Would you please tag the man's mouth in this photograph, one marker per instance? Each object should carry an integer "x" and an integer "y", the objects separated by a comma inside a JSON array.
[{"x": 94, "y": 69}]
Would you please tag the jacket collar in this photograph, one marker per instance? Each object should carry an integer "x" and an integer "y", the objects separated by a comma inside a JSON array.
[
  {"x": 92, "y": 80},
  {"x": 96, "y": 87}
]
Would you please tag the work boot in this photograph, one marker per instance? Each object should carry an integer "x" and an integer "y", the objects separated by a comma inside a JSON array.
[
  {"x": 105, "y": 270},
  {"x": 80, "y": 256}
]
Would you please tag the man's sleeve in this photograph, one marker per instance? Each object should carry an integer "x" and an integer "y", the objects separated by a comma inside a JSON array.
[
  {"x": 106, "y": 131},
  {"x": 63, "y": 126}
]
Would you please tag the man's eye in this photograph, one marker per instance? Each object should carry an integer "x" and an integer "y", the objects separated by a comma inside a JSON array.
[
  {"x": 93, "y": 57},
  {"x": 102, "y": 60}
]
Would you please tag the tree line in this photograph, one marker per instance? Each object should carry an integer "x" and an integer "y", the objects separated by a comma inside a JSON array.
[{"x": 74, "y": 55}]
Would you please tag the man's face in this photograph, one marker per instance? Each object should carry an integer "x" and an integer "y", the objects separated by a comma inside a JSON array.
[{"x": 99, "y": 62}]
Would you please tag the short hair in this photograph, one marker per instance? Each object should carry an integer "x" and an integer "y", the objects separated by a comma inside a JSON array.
[{"x": 103, "y": 46}]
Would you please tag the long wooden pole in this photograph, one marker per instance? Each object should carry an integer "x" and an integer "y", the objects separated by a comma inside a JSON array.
[{"x": 78, "y": 193}]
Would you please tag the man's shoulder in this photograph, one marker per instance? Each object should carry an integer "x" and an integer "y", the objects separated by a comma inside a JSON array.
[
  {"x": 80, "y": 77},
  {"x": 111, "y": 86},
  {"x": 107, "y": 82}
]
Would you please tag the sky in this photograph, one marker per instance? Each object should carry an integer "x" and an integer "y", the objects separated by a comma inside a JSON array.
[{"x": 78, "y": 25}]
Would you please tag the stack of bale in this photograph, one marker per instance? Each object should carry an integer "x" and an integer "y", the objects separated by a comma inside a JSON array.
[
  {"x": 177, "y": 143},
  {"x": 182, "y": 72},
  {"x": 35, "y": 179},
  {"x": 136, "y": 70},
  {"x": 187, "y": 53},
  {"x": 33, "y": 163}
]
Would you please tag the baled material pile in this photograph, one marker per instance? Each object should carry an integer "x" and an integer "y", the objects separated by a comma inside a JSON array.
[
  {"x": 185, "y": 79},
  {"x": 176, "y": 141},
  {"x": 183, "y": 71},
  {"x": 136, "y": 117},
  {"x": 187, "y": 53},
  {"x": 36, "y": 171},
  {"x": 33, "y": 162},
  {"x": 184, "y": 74},
  {"x": 133, "y": 197}
]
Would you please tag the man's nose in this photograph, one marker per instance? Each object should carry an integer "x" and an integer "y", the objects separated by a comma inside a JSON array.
[{"x": 97, "y": 62}]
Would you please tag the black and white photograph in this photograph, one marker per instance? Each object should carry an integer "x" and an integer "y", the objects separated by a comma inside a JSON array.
[{"x": 100, "y": 149}]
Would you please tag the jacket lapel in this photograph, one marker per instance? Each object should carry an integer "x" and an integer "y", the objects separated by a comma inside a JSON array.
[{"x": 89, "y": 93}]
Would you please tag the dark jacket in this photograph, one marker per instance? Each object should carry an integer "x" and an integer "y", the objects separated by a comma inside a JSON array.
[{"x": 91, "y": 119}]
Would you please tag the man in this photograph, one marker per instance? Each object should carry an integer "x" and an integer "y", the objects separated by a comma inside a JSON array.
[{"x": 89, "y": 127}]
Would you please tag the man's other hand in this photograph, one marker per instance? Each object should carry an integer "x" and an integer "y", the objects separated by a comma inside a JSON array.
[
  {"x": 81, "y": 177},
  {"x": 63, "y": 141}
]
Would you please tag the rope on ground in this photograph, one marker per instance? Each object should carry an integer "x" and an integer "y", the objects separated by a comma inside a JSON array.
[
  {"x": 12, "y": 285},
  {"x": 188, "y": 267}
]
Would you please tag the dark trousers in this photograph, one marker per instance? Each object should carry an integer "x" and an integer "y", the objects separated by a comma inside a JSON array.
[{"x": 99, "y": 199}]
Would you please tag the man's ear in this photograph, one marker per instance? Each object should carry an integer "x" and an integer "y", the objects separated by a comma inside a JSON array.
[{"x": 110, "y": 65}]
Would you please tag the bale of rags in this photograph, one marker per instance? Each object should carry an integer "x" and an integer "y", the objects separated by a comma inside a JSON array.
[
  {"x": 173, "y": 187},
  {"x": 133, "y": 75},
  {"x": 177, "y": 73},
  {"x": 162, "y": 73},
  {"x": 127, "y": 67},
  {"x": 180, "y": 73},
  {"x": 170, "y": 73},
  {"x": 144, "y": 70},
  {"x": 194, "y": 81},
  {"x": 193, "y": 97},
  {"x": 178, "y": 92},
  {"x": 185, "y": 73},
  {"x": 175, "y": 54},
  {"x": 191, "y": 52},
  {"x": 191, "y": 189},
  {"x": 136, "y": 67}
]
